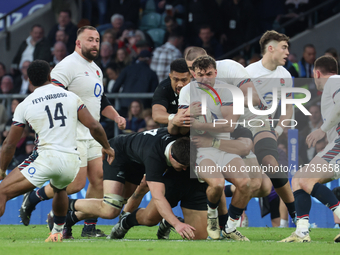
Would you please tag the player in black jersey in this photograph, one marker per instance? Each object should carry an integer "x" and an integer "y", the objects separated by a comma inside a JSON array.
[{"x": 156, "y": 153}]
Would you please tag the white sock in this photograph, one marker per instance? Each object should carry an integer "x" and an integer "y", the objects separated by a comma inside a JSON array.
[
  {"x": 302, "y": 227},
  {"x": 57, "y": 228},
  {"x": 337, "y": 212},
  {"x": 283, "y": 223},
  {"x": 231, "y": 225},
  {"x": 212, "y": 213}
]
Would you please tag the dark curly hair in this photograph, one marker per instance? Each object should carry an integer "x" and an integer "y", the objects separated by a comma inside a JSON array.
[{"x": 38, "y": 72}]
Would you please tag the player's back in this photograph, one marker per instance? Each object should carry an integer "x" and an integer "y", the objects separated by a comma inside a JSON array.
[{"x": 52, "y": 113}]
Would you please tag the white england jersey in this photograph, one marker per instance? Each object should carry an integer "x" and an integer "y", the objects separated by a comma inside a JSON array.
[
  {"x": 52, "y": 112},
  {"x": 265, "y": 80},
  {"x": 232, "y": 72},
  {"x": 85, "y": 79},
  {"x": 193, "y": 93},
  {"x": 330, "y": 95}
]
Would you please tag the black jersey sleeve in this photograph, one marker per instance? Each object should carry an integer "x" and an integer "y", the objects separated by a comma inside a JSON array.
[
  {"x": 155, "y": 169},
  {"x": 104, "y": 102},
  {"x": 161, "y": 95}
]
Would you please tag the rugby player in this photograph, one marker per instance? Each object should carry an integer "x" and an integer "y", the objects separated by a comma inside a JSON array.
[
  {"x": 324, "y": 167},
  {"x": 53, "y": 113}
]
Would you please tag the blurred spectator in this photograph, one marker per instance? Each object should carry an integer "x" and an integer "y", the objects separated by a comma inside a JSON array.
[
  {"x": 36, "y": 46},
  {"x": 105, "y": 56},
  {"x": 135, "y": 121},
  {"x": 117, "y": 22},
  {"x": 314, "y": 122},
  {"x": 333, "y": 53},
  {"x": 165, "y": 54},
  {"x": 254, "y": 58},
  {"x": 100, "y": 5},
  {"x": 142, "y": 45},
  {"x": 110, "y": 37},
  {"x": 61, "y": 36},
  {"x": 207, "y": 41},
  {"x": 7, "y": 126},
  {"x": 171, "y": 26},
  {"x": 137, "y": 78},
  {"x": 304, "y": 68},
  {"x": 122, "y": 58},
  {"x": 112, "y": 73},
  {"x": 2, "y": 70},
  {"x": 147, "y": 114},
  {"x": 59, "y": 52},
  {"x": 29, "y": 147},
  {"x": 7, "y": 85},
  {"x": 128, "y": 8},
  {"x": 240, "y": 60},
  {"x": 239, "y": 23},
  {"x": 64, "y": 23},
  {"x": 21, "y": 82}
]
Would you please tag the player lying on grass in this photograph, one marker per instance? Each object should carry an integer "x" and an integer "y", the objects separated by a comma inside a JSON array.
[
  {"x": 324, "y": 167},
  {"x": 155, "y": 153},
  {"x": 55, "y": 157}
]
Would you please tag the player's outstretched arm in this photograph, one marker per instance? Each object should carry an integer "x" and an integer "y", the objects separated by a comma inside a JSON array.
[
  {"x": 160, "y": 114},
  {"x": 8, "y": 148},
  {"x": 157, "y": 190},
  {"x": 97, "y": 132}
]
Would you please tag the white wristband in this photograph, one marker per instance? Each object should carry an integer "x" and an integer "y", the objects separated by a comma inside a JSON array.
[
  {"x": 279, "y": 130},
  {"x": 171, "y": 116}
]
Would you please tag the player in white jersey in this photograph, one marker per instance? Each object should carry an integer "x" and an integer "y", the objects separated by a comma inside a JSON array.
[
  {"x": 324, "y": 167},
  {"x": 53, "y": 113},
  {"x": 79, "y": 74},
  {"x": 205, "y": 72},
  {"x": 267, "y": 74},
  {"x": 234, "y": 74}
]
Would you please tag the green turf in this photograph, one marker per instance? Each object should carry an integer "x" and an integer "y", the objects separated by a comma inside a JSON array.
[{"x": 18, "y": 239}]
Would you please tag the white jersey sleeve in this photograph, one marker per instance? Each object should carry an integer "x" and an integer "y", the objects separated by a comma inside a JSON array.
[
  {"x": 62, "y": 75},
  {"x": 19, "y": 116},
  {"x": 231, "y": 72},
  {"x": 184, "y": 97}
]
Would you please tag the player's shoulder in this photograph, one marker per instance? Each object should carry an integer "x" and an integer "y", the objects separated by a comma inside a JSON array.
[
  {"x": 228, "y": 63},
  {"x": 283, "y": 72},
  {"x": 253, "y": 66}
]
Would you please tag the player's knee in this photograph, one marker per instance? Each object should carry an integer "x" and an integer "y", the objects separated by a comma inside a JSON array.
[
  {"x": 255, "y": 184},
  {"x": 109, "y": 213},
  {"x": 243, "y": 185},
  {"x": 217, "y": 187},
  {"x": 269, "y": 160},
  {"x": 305, "y": 184}
]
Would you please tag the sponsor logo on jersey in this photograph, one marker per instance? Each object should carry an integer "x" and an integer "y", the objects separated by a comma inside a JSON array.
[
  {"x": 173, "y": 102},
  {"x": 86, "y": 73}
]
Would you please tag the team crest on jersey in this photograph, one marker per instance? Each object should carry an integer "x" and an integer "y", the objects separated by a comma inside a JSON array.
[
  {"x": 98, "y": 74},
  {"x": 86, "y": 74},
  {"x": 282, "y": 82},
  {"x": 258, "y": 82},
  {"x": 216, "y": 100}
]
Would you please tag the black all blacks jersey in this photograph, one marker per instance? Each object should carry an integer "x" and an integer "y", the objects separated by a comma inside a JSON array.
[{"x": 148, "y": 148}]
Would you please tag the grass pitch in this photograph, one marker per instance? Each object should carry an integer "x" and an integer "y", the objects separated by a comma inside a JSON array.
[{"x": 18, "y": 239}]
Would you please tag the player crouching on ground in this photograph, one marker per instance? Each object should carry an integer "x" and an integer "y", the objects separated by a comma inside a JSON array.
[{"x": 162, "y": 158}]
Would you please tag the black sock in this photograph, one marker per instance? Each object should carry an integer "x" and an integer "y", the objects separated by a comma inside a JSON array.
[
  {"x": 303, "y": 203},
  {"x": 234, "y": 212},
  {"x": 59, "y": 220},
  {"x": 130, "y": 221},
  {"x": 227, "y": 191},
  {"x": 213, "y": 205},
  {"x": 71, "y": 219},
  {"x": 71, "y": 204},
  {"x": 92, "y": 221},
  {"x": 291, "y": 209},
  {"x": 325, "y": 196},
  {"x": 222, "y": 220},
  {"x": 37, "y": 196}
]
